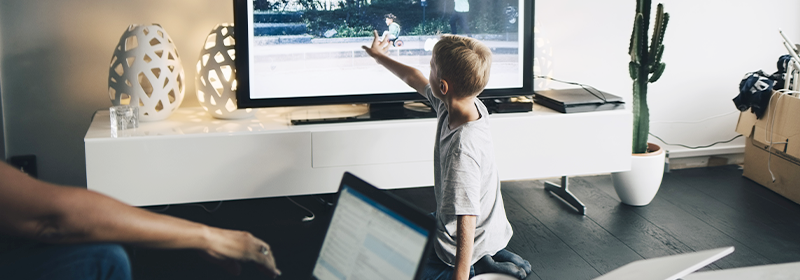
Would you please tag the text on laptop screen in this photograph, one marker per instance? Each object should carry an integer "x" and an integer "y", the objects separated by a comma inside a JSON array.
[{"x": 366, "y": 240}]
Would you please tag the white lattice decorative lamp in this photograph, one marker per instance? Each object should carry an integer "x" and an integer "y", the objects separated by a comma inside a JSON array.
[
  {"x": 146, "y": 70},
  {"x": 216, "y": 75}
]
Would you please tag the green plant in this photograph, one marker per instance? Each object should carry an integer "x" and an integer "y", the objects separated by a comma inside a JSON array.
[
  {"x": 357, "y": 31},
  {"x": 645, "y": 67},
  {"x": 434, "y": 26}
]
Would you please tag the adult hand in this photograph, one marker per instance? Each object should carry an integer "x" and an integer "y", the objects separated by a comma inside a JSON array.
[
  {"x": 379, "y": 46},
  {"x": 230, "y": 248}
]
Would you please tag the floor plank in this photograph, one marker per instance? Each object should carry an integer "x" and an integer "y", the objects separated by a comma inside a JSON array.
[
  {"x": 641, "y": 235},
  {"x": 692, "y": 231},
  {"x": 753, "y": 229},
  {"x": 737, "y": 192},
  {"x": 695, "y": 209},
  {"x": 599, "y": 248},
  {"x": 550, "y": 257}
]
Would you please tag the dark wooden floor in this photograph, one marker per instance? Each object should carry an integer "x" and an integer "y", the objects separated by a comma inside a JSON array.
[{"x": 695, "y": 209}]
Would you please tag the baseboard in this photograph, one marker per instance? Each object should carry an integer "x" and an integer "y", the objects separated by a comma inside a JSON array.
[
  {"x": 706, "y": 161},
  {"x": 679, "y": 152}
]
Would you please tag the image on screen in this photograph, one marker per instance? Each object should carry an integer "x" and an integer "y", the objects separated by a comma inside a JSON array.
[
  {"x": 366, "y": 240},
  {"x": 303, "y": 48}
]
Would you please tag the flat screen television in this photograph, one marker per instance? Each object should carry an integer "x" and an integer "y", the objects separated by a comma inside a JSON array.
[{"x": 301, "y": 53}]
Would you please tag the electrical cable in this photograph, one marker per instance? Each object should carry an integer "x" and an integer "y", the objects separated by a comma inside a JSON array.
[
  {"x": 206, "y": 209},
  {"x": 585, "y": 87},
  {"x": 219, "y": 204},
  {"x": 306, "y": 218},
  {"x": 771, "y": 121},
  {"x": 695, "y": 147},
  {"x": 324, "y": 201},
  {"x": 700, "y": 121},
  {"x": 160, "y": 210}
]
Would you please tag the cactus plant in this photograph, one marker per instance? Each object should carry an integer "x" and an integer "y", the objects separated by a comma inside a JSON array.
[{"x": 645, "y": 66}]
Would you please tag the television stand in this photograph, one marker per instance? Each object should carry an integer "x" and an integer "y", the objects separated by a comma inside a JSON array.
[
  {"x": 192, "y": 157},
  {"x": 563, "y": 192},
  {"x": 377, "y": 111}
]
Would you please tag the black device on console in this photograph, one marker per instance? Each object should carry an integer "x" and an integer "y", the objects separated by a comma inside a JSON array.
[
  {"x": 576, "y": 100},
  {"x": 297, "y": 58}
]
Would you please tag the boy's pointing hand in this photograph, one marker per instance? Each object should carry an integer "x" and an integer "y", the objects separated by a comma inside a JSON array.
[{"x": 379, "y": 46}]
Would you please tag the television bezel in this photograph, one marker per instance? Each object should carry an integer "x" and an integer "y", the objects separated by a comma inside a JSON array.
[{"x": 242, "y": 25}]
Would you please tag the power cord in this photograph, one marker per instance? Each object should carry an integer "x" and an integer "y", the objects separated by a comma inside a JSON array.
[
  {"x": 771, "y": 120},
  {"x": 695, "y": 147},
  {"x": 160, "y": 210},
  {"x": 323, "y": 201},
  {"x": 700, "y": 121},
  {"x": 306, "y": 218},
  {"x": 219, "y": 204},
  {"x": 585, "y": 87}
]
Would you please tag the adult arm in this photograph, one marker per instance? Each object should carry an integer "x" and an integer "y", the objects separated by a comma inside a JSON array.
[
  {"x": 57, "y": 214},
  {"x": 410, "y": 75},
  {"x": 466, "y": 238}
]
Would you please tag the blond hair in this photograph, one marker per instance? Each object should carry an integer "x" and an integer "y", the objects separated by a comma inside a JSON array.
[{"x": 464, "y": 62}]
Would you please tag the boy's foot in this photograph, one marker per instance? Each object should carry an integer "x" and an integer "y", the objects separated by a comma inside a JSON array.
[
  {"x": 488, "y": 265},
  {"x": 508, "y": 256}
]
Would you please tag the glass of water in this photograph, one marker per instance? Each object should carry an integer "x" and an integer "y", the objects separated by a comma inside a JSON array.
[{"x": 124, "y": 117}]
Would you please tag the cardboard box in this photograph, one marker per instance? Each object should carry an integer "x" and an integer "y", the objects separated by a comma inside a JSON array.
[{"x": 781, "y": 125}]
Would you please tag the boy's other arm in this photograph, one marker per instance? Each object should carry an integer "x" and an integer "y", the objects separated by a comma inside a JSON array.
[
  {"x": 410, "y": 75},
  {"x": 466, "y": 238}
]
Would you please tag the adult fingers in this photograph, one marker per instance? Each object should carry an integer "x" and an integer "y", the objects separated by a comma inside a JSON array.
[{"x": 266, "y": 261}]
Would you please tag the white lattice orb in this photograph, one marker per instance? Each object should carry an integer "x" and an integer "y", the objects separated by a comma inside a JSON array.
[
  {"x": 216, "y": 75},
  {"x": 146, "y": 70}
]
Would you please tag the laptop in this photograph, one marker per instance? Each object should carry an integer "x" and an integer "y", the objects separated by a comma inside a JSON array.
[
  {"x": 577, "y": 100},
  {"x": 373, "y": 235},
  {"x": 771, "y": 271},
  {"x": 666, "y": 268}
]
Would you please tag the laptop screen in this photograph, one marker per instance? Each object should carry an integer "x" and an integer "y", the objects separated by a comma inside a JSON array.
[{"x": 367, "y": 240}]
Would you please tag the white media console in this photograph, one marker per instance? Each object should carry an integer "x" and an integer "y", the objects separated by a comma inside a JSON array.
[{"x": 192, "y": 157}]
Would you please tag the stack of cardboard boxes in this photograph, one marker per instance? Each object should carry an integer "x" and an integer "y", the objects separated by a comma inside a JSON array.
[{"x": 779, "y": 126}]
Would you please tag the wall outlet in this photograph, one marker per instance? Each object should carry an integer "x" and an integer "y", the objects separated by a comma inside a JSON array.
[{"x": 25, "y": 163}]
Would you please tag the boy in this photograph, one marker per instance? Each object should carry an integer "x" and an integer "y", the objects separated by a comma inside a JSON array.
[
  {"x": 472, "y": 228},
  {"x": 394, "y": 28}
]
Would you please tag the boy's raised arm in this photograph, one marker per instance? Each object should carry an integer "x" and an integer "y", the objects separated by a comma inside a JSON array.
[{"x": 410, "y": 75}]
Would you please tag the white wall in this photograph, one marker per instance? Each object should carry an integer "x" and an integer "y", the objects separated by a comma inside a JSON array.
[
  {"x": 709, "y": 46},
  {"x": 55, "y": 57}
]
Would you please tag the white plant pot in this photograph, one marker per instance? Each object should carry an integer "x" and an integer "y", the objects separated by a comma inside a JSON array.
[{"x": 639, "y": 186}]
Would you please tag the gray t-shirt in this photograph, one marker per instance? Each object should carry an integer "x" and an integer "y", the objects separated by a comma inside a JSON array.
[{"x": 466, "y": 183}]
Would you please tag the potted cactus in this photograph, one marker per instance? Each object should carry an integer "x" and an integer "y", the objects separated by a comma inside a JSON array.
[{"x": 639, "y": 186}]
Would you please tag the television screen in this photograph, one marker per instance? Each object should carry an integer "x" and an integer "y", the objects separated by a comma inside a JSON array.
[{"x": 304, "y": 52}]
